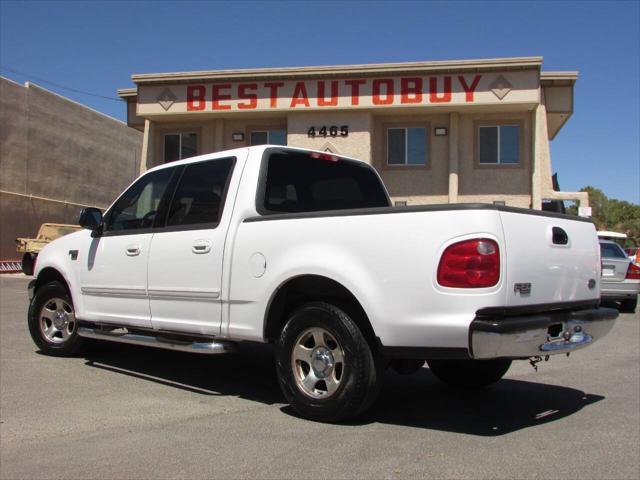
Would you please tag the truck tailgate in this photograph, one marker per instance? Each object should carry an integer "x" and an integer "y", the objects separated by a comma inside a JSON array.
[{"x": 550, "y": 259}]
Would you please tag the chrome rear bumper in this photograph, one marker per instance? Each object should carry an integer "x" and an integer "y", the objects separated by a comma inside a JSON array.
[{"x": 541, "y": 334}]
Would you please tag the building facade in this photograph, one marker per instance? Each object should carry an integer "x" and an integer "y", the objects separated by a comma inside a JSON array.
[
  {"x": 437, "y": 132},
  {"x": 56, "y": 157}
]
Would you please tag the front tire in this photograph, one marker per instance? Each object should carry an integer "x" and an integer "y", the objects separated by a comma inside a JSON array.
[
  {"x": 325, "y": 366},
  {"x": 52, "y": 322},
  {"x": 469, "y": 373}
]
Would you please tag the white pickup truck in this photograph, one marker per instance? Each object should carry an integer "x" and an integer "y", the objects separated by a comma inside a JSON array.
[{"x": 304, "y": 250}]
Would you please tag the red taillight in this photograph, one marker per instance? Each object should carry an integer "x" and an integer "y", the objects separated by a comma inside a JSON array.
[
  {"x": 633, "y": 272},
  {"x": 470, "y": 264},
  {"x": 324, "y": 156}
]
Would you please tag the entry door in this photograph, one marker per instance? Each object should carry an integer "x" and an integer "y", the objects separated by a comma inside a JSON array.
[
  {"x": 114, "y": 277},
  {"x": 185, "y": 264}
]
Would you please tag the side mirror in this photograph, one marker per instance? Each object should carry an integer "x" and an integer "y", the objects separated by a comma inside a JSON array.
[{"x": 90, "y": 218}]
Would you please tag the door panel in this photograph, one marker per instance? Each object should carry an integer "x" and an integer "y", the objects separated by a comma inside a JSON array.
[
  {"x": 185, "y": 280},
  {"x": 114, "y": 279},
  {"x": 114, "y": 282},
  {"x": 185, "y": 264}
]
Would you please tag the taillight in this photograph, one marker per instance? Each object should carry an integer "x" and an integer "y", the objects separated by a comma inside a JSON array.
[
  {"x": 470, "y": 264},
  {"x": 324, "y": 156},
  {"x": 633, "y": 272}
]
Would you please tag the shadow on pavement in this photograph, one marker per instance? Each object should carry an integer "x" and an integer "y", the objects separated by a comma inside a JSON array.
[{"x": 418, "y": 400}]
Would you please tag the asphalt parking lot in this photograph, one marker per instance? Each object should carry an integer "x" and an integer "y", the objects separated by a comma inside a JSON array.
[{"x": 132, "y": 412}]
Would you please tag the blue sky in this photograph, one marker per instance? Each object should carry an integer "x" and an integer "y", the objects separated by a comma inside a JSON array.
[{"x": 96, "y": 46}]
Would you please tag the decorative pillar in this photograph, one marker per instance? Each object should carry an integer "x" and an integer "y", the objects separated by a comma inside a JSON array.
[
  {"x": 146, "y": 158},
  {"x": 454, "y": 119}
]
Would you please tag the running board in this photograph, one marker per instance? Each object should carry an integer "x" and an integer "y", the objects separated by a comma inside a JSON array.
[{"x": 212, "y": 347}]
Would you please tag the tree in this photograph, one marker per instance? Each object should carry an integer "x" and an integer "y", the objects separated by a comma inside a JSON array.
[{"x": 611, "y": 214}]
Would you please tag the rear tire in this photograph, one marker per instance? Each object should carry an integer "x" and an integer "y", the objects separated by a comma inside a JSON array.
[
  {"x": 469, "y": 373},
  {"x": 28, "y": 262},
  {"x": 325, "y": 366},
  {"x": 629, "y": 306},
  {"x": 52, "y": 322}
]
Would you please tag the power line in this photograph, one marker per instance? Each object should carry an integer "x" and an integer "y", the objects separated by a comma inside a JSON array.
[{"x": 28, "y": 75}]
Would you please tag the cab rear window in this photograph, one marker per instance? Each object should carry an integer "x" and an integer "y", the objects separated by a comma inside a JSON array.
[{"x": 300, "y": 182}]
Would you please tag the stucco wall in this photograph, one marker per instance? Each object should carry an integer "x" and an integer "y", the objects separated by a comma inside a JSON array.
[
  {"x": 356, "y": 144},
  {"x": 507, "y": 182},
  {"x": 415, "y": 184},
  {"x": 61, "y": 151}
]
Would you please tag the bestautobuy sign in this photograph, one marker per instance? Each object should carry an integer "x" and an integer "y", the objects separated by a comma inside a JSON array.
[{"x": 312, "y": 94}]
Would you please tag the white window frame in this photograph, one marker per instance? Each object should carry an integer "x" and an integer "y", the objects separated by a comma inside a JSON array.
[
  {"x": 406, "y": 148},
  {"x": 498, "y": 127}
]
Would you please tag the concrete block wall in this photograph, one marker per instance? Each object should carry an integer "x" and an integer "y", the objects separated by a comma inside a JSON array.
[{"x": 57, "y": 156}]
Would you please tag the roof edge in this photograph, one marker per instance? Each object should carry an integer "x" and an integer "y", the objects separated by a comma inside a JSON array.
[
  {"x": 127, "y": 92},
  {"x": 568, "y": 77},
  {"x": 480, "y": 64}
]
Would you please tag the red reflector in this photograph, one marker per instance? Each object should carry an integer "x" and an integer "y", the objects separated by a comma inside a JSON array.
[
  {"x": 324, "y": 156},
  {"x": 470, "y": 264},
  {"x": 633, "y": 273}
]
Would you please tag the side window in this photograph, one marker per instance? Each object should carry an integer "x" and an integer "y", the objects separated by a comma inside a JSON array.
[
  {"x": 499, "y": 144},
  {"x": 137, "y": 207},
  {"x": 199, "y": 197},
  {"x": 611, "y": 250},
  {"x": 180, "y": 145}
]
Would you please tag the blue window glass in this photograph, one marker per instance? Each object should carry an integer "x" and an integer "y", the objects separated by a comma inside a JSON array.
[
  {"x": 278, "y": 137},
  {"x": 509, "y": 144},
  {"x": 416, "y": 146}
]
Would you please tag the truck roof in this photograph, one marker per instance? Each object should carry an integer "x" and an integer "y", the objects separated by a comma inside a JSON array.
[{"x": 238, "y": 151}]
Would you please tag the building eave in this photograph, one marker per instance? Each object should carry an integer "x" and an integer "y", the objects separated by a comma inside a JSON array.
[
  {"x": 125, "y": 93},
  {"x": 518, "y": 63},
  {"x": 558, "y": 78}
]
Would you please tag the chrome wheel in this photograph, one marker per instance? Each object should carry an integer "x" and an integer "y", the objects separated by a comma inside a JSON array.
[
  {"x": 317, "y": 360},
  {"x": 57, "y": 320}
]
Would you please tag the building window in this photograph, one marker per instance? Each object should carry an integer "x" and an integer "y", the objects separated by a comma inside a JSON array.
[
  {"x": 272, "y": 137},
  {"x": 180, "y": 145},
  {"x": 499, "y": 144},
  {"x": 407, "y": 146}
]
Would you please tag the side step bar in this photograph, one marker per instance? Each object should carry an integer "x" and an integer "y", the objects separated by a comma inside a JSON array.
[{"x": 209, "y": 347}]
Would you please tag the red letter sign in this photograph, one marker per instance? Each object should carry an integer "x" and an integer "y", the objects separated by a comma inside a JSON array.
[
  {"x": 468, "y": 90},
  {"x": 355, "y": 90},
  {"x": 195, "y": 97},
  {"x": 433, "y": 90},
  {"x": 217, "y": 96},
  {"x": 388, "y": 99},
  {"x": 273, "y": 92},
  {"x": 411, "y": 90},
  {"x": 243, "y": 95},
  {"x": 300, "y": 96},
  {"x": 322, "y": 101}
]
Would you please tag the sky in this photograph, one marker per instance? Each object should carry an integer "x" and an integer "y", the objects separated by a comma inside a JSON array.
[{"x": 96, "y": 46}]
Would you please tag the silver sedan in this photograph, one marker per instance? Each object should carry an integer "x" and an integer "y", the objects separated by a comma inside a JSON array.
[{"x": 620, "y": 277}]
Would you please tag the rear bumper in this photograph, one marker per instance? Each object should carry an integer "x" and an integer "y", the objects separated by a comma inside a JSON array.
[
  {"x": 530, "y": 335},
  {"x": 619, "y": 290}
]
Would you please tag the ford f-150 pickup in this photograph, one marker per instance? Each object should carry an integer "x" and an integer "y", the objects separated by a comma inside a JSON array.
[{"x": 304, "y": 250}]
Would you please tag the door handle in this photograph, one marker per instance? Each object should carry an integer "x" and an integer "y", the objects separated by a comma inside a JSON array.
[
  {"x": 133, "y": 250},
  {"x": 201, "y": 246}
]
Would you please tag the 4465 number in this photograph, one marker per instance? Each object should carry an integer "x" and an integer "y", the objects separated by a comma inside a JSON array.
[{"x": 331, "y": 131}]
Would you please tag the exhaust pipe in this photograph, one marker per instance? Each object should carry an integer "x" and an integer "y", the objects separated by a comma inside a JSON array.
[{"x": 209, "y": 347}]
